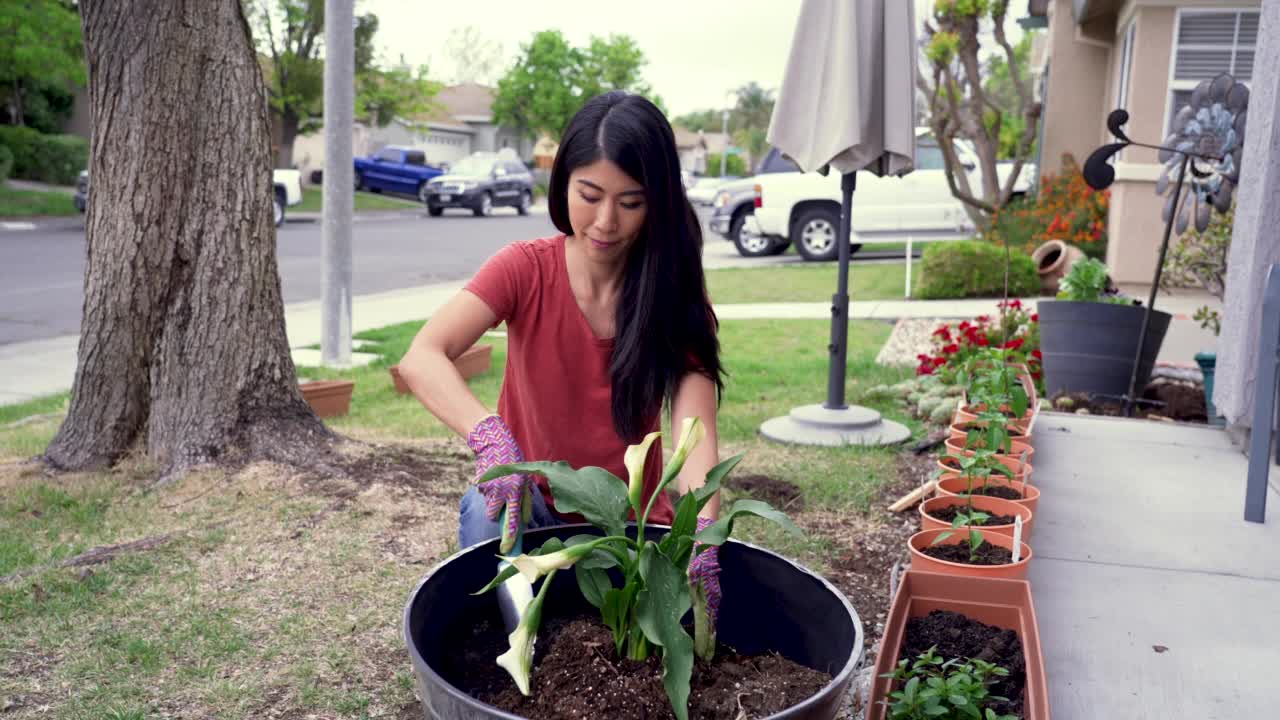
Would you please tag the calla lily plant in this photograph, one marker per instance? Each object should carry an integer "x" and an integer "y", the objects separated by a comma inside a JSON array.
[{"x": 640, "y": 586}]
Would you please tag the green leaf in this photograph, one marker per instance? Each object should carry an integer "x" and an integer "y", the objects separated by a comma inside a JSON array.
[
  {"x": 594, "y": 584},
  {"x": 599, "y": 558},
  {"x": 720, "y": 531},
  {"x": 686, "y": 520},
  {"x": 715, "y": 478},
  {"x": 595, "y": 493},
  {"x": 912, "y": 686},
  {"x": 550, "y": 546},
  {"x": 935, "y": 711},
  {"x": 942, "y": 537},
  {"x": 659, "y": 608}
]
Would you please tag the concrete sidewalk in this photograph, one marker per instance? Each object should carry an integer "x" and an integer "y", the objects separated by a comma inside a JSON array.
[
  {"x": 44, "y": 367},
  {"x": 1155, "y": 598}
]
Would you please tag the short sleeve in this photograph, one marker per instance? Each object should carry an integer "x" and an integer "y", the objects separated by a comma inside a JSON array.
[{"x": 504, "y": 279}]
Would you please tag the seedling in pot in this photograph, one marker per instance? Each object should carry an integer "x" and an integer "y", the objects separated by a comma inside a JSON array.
[
  {"x": 937, "y": 689},
  {"x": 643, "y": 614},
  {"x": 975, "y": 538}
]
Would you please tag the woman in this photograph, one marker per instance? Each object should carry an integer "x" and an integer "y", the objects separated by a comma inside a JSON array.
[{"x": 606, "y": 323}]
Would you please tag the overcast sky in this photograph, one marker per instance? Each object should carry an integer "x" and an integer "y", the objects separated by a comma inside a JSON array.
[{"x": 698, "y": 50}]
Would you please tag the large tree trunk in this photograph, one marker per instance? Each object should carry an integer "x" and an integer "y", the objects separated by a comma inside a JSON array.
[{"x": 182, "y": 346}]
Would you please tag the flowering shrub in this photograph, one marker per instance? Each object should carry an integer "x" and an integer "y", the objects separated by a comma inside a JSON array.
[
  {"x": 1065, "y": 208},
  {"x": 954, "y": 345}
]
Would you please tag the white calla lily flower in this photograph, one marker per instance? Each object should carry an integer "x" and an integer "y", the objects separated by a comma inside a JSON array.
[{"x": 634, "y": 460}]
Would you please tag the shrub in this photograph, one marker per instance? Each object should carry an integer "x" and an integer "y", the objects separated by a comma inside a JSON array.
[
  {"x": 733, "y": 166},
  {"x": 972, "y": 268},
  {"x": 1200, "y": 260},
  {"x": 1065, "y": 208},
  {"x": 54, "y": 159},
  {"x": 6, "y": 163}
]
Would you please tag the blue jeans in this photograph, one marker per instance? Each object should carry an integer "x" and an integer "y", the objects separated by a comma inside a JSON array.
[{"x": 474, "y": 527}]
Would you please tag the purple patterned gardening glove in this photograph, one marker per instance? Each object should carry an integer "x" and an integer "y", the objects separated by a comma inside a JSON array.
[
  {"x": 704, "y": 568},
  {"x": 493, "y": 444}
]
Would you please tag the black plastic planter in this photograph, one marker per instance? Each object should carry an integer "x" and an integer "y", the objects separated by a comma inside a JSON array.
[
  {"x": 1089, "y": 347},
  {"x": 771, "y": 605}
]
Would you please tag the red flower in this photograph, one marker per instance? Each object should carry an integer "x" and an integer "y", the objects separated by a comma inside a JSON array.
[
  {"x": 1037, "y": 354},
  {"x": 942, "y": 332},
  {"x": 951, "y": 349},
  {"x": 1035, "y": 317},
  {"x": 982, "y": 341},
  {"x": 1016, "y": 304},
  {"x": 983, "y": 319},
  {"x": 1013, "y": 344}
]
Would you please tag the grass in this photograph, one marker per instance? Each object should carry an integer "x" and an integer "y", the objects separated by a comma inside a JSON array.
[
  {"x": 271, "y": 598},
  {"x": 312, "y": 201},
  {"x": 807, "y": 282},
  {"x": 34, "y": 203}
]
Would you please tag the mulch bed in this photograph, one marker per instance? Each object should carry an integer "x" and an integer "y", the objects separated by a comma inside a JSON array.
[
  {"x": 953, "y": 635},
  {"x": 577, "y": 674},
  {"x": 1176, "y": 401}
]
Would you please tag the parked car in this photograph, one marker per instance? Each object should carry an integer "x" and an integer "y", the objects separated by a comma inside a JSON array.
[
  {"x": 286, "y": 190},
  {"x": 804, "y": 208},
  {"x": 734, "y": 202},
  {"x": 703, "y": 189},
  {"x": 396, "y": 170},
  {"x": 480, "y": 182}
]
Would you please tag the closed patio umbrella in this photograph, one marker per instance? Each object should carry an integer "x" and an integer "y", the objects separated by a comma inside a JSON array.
[{"x": 846, "y": 102}]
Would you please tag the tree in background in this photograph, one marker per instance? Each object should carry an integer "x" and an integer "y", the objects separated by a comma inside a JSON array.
[
  {"x": 748, "y": 120},
  {"x": 552, "y": 80},
  {"x": 476, "y": 59},
  {"x": 397, "y": 91},
  {"x": 951, "y": 77},
  {"x": 1002, "y": 91},
  {"x": 41, "y": 61}
]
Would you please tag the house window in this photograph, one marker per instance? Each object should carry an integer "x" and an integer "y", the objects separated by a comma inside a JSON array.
[
  {"x": 1209, "y": 42},
  {"x": 1126, "y": 66}
]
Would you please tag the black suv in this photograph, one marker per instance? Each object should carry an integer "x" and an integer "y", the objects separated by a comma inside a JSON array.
[{"x": 480, "y": 182}]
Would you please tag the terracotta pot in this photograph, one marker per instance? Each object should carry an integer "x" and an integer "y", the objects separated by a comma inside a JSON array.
[
  {"x": 955, "y": 484},
  {"x": 1019, "y": 450},
  {"x": 924, "y": 538},
  {"x": 950, "y": 465},
  {"x": 960, "y": 430},
  {"x": 968, "y": 413},
  {"x": 401, "y": 386},
  {"x": 476, "y": 359},
  {"x": 328, "y": 398},
  {"x": 1002, "y": 603},
  {"x": 1053, "y": 261},
  {"x": 990, "y": 505}
]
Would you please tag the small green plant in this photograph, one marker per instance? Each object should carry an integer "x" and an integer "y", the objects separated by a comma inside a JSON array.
[
  {"x": 966, "y": 519},
  {"x": 1200, "y": 259},
  {"x": 1088, "y": 281},
  {"x": 644, "y": 614},
  {"x": 937, "y": 689}
]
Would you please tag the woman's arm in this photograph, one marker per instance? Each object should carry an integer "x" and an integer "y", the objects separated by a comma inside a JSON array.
[
  {"x": 696, "y": 397},
  {"x": 428, "y": 366}
]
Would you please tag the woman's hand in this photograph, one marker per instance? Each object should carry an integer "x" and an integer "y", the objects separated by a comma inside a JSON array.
[{"x": 494, "y": 445}]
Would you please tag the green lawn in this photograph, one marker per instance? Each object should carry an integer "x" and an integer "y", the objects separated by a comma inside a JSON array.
[
  {"x": 278, "y": 595},
  {"x": 312, "y": 201},
  {"x": 33, "y": 203},
  {"x": 810, "y": 282}
]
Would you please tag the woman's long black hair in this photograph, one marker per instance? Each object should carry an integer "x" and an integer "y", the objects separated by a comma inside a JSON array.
[{"x": 664, "y": 323}]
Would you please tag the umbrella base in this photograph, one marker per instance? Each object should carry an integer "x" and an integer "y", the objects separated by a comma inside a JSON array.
[{"x": 819, "y": 425}]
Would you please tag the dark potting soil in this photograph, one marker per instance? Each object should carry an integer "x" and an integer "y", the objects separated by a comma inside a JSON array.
[
  {"x": 998, "y": 491},
  {"x": 987, "y": 554},
  {"x": 955, "y": 636},
  {"x": 1182, "y": 402},
  {"x": 577, "y": 674},
  {"x": 949, "y": 512}
]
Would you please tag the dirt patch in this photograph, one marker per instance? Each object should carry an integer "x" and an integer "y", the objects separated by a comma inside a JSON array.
[
  {"x": 577, "y": 674},
  {"x": 781, "y": 494},
  {"x": 955, "y": 636},
  {"x": 1169, "y": 400}
]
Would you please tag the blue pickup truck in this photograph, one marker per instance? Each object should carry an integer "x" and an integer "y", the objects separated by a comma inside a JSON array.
[{"x": 396, "y": 170}]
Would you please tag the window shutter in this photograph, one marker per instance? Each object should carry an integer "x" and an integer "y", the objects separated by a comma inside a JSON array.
[{"x": 1215, "y": 42}]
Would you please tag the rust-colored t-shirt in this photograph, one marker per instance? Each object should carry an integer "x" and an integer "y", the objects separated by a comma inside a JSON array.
[{"x": 556, "y": 391}]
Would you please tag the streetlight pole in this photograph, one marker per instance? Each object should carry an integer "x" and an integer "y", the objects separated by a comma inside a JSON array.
[
  {"x": 335, "y": 249},
  {"x": 724, "y": 132}
]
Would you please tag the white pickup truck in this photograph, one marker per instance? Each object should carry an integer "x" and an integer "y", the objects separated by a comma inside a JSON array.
[{"x": 803, "y": 209}]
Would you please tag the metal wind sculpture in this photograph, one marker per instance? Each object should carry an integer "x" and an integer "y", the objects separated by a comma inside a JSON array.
[{"x": 1207, "y": 140}]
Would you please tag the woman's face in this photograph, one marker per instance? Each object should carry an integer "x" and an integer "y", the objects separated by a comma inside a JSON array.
[{"x": 606, "y": 209}]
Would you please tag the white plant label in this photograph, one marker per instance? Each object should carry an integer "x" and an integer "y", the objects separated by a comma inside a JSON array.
[{"x": 1017, "y": 538}]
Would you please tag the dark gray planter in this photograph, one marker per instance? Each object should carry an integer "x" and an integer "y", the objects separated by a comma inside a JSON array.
[
  {"x": 771, "y": 605},
  {"x": 1089, "y": 347}
]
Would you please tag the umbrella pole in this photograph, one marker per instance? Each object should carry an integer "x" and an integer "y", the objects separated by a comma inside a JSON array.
[{"x": 840, "y": 301}]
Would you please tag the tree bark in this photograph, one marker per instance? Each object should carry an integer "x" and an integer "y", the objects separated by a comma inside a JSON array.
[{"x": 182, "y": 348}]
